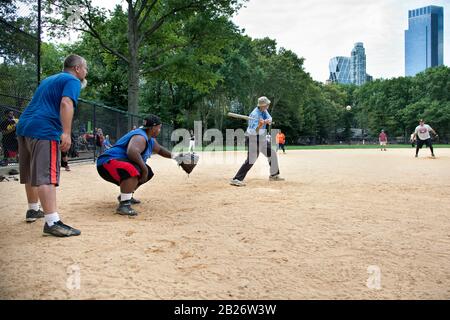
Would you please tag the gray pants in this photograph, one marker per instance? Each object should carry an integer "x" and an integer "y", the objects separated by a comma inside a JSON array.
[{"x": 256, "y": 144}]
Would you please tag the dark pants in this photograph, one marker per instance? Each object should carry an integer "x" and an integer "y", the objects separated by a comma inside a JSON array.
[
  {"x": 427, "y": 142},
  {"x": 10, "y": 146},
  {"x": 281, "y": 146},
  {"x": 256, "y": 144}
]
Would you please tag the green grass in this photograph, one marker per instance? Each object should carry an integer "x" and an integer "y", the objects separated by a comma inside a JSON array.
[
  {"x": 339, "y": 146},
  {"x": 360, "y": 146}
]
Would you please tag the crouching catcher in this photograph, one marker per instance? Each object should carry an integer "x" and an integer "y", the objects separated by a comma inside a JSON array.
[{"x": 124, "y": 164}]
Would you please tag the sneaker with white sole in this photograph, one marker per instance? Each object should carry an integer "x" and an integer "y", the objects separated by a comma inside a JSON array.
[
  {"x": 59, "y": 229},
  {"x": 33, "y": 215},
  {"x": 276, "y": 178},
  {"x": 237, "y": 183}
]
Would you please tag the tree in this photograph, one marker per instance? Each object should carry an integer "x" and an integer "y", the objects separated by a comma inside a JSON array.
[
  {"x": 158, "y": 31},
  {"x": 18, "y": 53}
]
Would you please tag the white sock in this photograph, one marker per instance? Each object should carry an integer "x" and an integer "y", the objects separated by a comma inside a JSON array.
[
  {"x": 33, "y": 206},
  {"x": 125, "y": 196},
  {"x": 51, "y": 218}
]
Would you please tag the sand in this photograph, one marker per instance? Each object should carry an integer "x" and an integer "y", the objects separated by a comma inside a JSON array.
[{"x": 346, "y": 224}]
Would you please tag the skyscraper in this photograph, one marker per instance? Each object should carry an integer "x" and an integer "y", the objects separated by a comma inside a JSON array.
[
  {"x": 350, "y": 70},
  {"x": 424, "y": 39},
  {"x": 358, "y": 64},
  {"x": 340, "y": 70}
]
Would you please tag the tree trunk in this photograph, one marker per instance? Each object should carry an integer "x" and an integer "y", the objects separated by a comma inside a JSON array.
[{"x": 133, "y": 68}]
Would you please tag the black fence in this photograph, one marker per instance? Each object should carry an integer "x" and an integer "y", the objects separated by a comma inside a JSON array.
[{"x": 95, "y": 127}]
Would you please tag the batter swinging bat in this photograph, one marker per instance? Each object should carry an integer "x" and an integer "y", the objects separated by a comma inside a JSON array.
[{"x": 240, "y": 116}]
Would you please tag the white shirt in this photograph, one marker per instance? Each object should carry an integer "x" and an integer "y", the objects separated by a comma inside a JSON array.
[{"x": 423, "y": 132}]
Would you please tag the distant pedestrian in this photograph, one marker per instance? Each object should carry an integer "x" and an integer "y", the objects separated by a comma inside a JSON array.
[{"x": 9, "y": 138}]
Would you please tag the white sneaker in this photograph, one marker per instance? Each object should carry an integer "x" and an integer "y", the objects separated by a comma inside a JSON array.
[
  {"x": 276, "y": 178},
  {"x": 237, "y": 183}
]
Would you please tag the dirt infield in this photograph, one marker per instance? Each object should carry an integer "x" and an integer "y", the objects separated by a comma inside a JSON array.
[{"x": 340, "y": 215}]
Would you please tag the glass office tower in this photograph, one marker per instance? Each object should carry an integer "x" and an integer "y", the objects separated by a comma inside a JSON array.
[
  {"x": 424, "y": 39},
  {"x": 350, "y": 70},
  {"x": 340, "y": 70},
  {"x": 358, "y": 64}
]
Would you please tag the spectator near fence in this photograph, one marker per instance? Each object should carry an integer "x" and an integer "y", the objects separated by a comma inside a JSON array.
[
  {"x": 9, "y": 138},
  {"x": 107, "y": 143},
  {"x": 72, "y": 153},
  {"x": 99, "y": 139}
]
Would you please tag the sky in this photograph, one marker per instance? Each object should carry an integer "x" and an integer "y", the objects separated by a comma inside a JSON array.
[
  {"x": 318, "y": 30},
  {"x": 321, "y": 29}
]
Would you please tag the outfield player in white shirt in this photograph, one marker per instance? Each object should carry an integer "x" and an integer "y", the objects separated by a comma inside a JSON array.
[{"x": 422, "y": 136}]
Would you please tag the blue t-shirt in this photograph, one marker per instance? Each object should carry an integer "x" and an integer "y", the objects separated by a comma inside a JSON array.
[
  {"x": 41, "y": 119},
  {"x": 119, "y": 149}
]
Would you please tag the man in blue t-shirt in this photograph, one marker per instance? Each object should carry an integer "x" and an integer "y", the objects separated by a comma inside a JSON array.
[{"x": 43, "y": 131}]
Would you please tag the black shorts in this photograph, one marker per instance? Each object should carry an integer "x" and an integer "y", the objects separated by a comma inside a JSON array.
[
  {"x": 118, "y": 170},
  {"x": 427, "y": 142}
]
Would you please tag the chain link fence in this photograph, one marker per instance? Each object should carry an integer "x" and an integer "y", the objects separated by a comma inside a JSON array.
[
  {"x": 96, "y": 127},
  {"x": 20, "y": 26}
]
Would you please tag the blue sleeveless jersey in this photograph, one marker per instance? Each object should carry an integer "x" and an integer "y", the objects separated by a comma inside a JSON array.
[{"x": 119, "y": 149}]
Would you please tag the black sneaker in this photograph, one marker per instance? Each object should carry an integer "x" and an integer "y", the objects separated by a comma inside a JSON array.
[
  {"x": 133, "y": 200},
  {"x": 33, "y": 215},
  {"x": 59, "y": 229},
  {"x": 125, "y": 209}
]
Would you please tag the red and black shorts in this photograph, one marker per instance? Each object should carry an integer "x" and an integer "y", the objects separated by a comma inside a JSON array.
[
  {"x": 38, "y": 161},
  {"x": 118, "y": 170}
]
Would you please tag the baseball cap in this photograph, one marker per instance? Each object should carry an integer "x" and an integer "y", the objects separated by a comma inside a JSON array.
[{"x": 151, "y": 120}]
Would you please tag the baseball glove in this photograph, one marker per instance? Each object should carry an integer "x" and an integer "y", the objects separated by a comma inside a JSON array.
[{"x": 187, "y": 161}]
